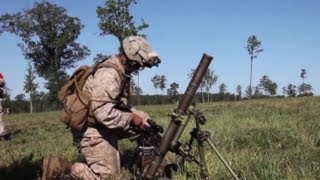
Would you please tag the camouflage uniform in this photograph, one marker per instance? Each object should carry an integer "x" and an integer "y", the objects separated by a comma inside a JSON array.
[
  {"x": 99, "y": 145},
  {"x": 2, "y": 125}
]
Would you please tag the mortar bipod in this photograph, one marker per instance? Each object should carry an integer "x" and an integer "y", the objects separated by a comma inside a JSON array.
[{"x": 201, "y": 136}]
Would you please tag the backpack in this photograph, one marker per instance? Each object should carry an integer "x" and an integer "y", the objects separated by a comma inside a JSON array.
[{"x": 76, "y": 112}]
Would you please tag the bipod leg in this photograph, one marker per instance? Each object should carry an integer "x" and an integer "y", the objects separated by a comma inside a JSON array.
[
  {"x": 203, "y": 164},
  {"x": 222, "y": 159}
]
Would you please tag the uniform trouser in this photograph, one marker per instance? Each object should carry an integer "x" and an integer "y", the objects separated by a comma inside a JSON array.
[
  {"x": 102, "y": 156},
  {"x": 2, "y": 125}
]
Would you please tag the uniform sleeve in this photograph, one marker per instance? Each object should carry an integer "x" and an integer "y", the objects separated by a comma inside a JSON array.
[{"x": 105, "y": 86}]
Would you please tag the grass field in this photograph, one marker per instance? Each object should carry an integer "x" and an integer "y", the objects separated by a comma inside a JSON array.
[{"x": 261, "y": 139}]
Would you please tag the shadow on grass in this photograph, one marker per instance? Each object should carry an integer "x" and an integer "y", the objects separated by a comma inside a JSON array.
[
  {"x": 23, "y": 169},
  {"x": 128, "y": 160},
  {"x": 130, "y": 164}
]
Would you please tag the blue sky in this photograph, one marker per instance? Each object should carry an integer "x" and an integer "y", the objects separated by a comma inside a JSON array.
[{"x": 182, "y": 30}]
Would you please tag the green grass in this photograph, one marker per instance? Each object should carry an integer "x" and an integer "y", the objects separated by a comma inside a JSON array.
[{"x": 261, "y": 139}]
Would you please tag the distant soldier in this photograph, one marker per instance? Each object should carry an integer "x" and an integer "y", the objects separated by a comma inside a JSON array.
[
  {"x": 3, "y": 133},
  {"x": 98, "y": 143}
]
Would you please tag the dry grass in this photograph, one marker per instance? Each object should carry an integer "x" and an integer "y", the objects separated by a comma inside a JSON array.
[{"x": 262, "y": 139}]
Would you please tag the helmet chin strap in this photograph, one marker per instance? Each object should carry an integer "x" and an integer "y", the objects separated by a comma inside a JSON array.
[{"x": 130, "y": 66}]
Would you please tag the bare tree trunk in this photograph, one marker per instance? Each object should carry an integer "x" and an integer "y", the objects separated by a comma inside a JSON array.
[
  {"x": 156, "y": 96},
  {"x": 31, "y": 106},
  {"x": 250, "y": 86},
  {"x": 202, "y": 96},
  {"x": 162, "y": 97}
]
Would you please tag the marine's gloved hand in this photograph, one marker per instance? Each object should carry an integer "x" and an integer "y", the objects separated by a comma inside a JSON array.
[{"x": 143, "y": 115}]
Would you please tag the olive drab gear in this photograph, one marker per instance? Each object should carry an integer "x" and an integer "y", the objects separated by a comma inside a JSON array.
[{"x": 77, "y": 112}]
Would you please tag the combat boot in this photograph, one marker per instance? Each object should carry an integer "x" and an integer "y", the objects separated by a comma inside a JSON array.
[
  {"x": 6, "y": 136},
  {"x": 55, "y": 168}
]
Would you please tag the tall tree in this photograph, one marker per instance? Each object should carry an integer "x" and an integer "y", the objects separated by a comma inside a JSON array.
[
  {"x": 291, "y": 90},
  {"x": 248, "y": 92},
  {"x": 155, "y": 81},
  {"x": 209, "y": 80},
  {"x": 21, "y": 103},
  {"x": 159, "y": 81},
  {"x": 30, "y": 86},
  {"x": 222, "y": 88},
  {"x": 303, "y": 74},
  {"x": 284, "y": 90},
  {"x": 257, "y": 93},
  {"x": 162, "y": 84},
  {"x": 116, "y": 20},
  {"x": 269, "y": 87},
  {"x": 222, "y": 91},
  {"x": 304, "y": 89},
  {"x": 239, "y": 92},
  {"x": 173, "y": 91},
  {"x": 253, "y": 48},
  {"x": 48, "y": 35}
]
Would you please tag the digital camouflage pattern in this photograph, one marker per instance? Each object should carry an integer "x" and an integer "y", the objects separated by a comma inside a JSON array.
[
  {"x": 2, "y": 124},
  {"x": 99, "y": 145}
]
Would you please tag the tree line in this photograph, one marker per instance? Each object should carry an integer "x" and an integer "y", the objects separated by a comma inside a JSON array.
[
  {"x": 49, "y": 44},
  {"x": 265, "y": 89},
  {"x": 170, "y": 94}
]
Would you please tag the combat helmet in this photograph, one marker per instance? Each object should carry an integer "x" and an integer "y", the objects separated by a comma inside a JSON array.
[{"x": 138, "y": 49}]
